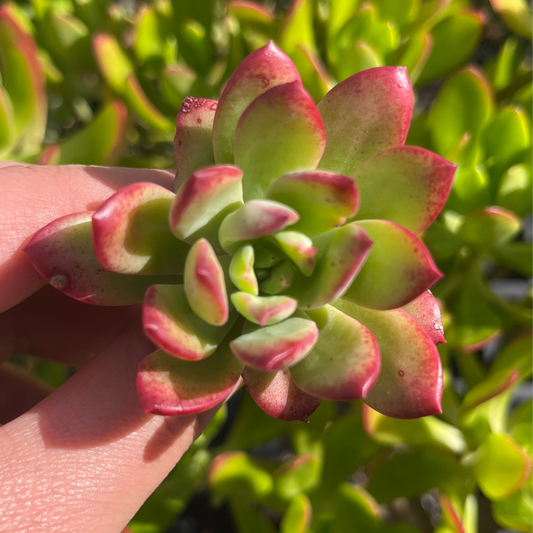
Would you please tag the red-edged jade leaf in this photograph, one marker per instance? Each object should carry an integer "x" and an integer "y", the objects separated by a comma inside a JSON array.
[
  {"x": 342, "y": 256},
  {"x": 299, "y": 249},
  {"x": 516, "y": 14},
  {"x": 204, "y": 284},
  {"x": 407, "y": 185},
  {"x": 398, "y": 269},
  {"x": 344, "y": 363},
  {"x": 276, "y": 347},
  {"x": 501, "y": 466},
  {"x": 205, "y": 198},
  {"x": 131, "y": 235},
  {"x": 426, "y": 311},
  {"x": 281, "y": 131},
  {"x": 262, "y": 70},
  {"x": 299, "y": 474},
  {"x": 410, "y": 382},
  {"x": 323, "y": 200},
  {"x": 364, "y": 115},
  {"x": 169, "y": 322},
  {"x": 193, "y": 147},
  {"x": 169, "y": 386},
  {"x": 278, "y": 396},
  {"x": 253, "y": 220},
  {"x": 241, "y": 270},
  {"x": 62, "y": 252},
  {"x": 263, "y": 310}
]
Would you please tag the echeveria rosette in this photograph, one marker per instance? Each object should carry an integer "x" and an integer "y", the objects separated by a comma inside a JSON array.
[{"x": 286, "y": 259}]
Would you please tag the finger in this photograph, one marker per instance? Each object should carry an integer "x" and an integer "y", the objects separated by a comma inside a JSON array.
[
  {"x": 19, "y": 392},
  {"x": 51, "y": 325},
  {"x": 33, "y": 196},
  {"x": 89, "y": 448}
]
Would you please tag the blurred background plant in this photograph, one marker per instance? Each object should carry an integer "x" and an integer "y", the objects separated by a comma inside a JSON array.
[{"x": 98, "y": 82}]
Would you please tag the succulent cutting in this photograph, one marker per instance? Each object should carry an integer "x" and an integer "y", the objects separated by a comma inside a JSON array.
[{"x": 288, "y": 254}]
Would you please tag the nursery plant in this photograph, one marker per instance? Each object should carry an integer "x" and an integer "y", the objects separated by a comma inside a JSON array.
[{"x": 262, "y": 263}]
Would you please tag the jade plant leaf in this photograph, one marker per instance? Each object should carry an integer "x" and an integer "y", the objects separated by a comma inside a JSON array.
[
  {"x": 378, "y": 104},
  {"x": 415, "y": 197},
  {"x": 398, "y": 268},
  {"x": 297, "y": 517},
  {"x": 299, "y": 474},
  {"x": 131, "y": 234},
  {"x": 277, "y": 394},
  {"x": 501, "y": 466},
  {"x": 425, "y": 310},
  {"x": 169, "y": 386},
  {"x": 344, "y": 363},
  {"x": 204, "y": 199},
  {"x": 323, "y": 200},
  {"x": 192, "y": 143},
  {"x": 281, "y": 131},
  {"x": 262, "y": 70},
  {"x": 77, "y": 272},
  {"x": 409, "y": 384},
  {"x": 170, "y": 323},
  {"x": 276, "y": 347},
  {"x": 263, "y": 310},
  {"x": 204, "y": 284}
]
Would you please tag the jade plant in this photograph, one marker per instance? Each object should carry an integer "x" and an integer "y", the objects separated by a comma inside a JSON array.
[{"x": 288, "y": 254}]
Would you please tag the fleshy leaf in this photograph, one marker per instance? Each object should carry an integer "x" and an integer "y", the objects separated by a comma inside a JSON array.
[
  {"x": 263, "y": 310},
  {"x": 454, "y": 40},
  {"x": 425, "y": 310},
  {"x": 62, "y": 252},
  {"x": 344, "y": 363},
  {"x": 193, "y": 148},
  {"x": 169, "y": 386},
  {"x": 299, "y": 474},
  {"x": 24, "y": 81},
  {"x": 100, "y": 142},
  {"x": 392, "y": 477},
  {"x": 406, "y": 185},
  {"x": 488, "y": 227},
  {"x": 323, "y": 200},
  {"x": 297, "y": 517},
  {"x": 253, "y": 220},
  {"x": 341, "y": 260},
  {"x": 131, "y": 235},
  {"x": 262, "y": 70},
  {"x": 425, "y": 431},
  {"x": 278, "y": 396},
  {"x": 204, "y": 284},
  {"x": 470, "y": 95},
  {"x": 280, "y": 278},
  {"x": 516, "y": 14},
  {"x": 515, "y": 511},
  {"x": 410, "y": 382},
  {"x": 204, "y": 199},
  {"x": 241, "y": 270},
  {"x": 276, "y": 347},
  {"x": 169, "y": 322},
  {"x": 377, "y": 104},
  {"x": 398, "y": 269},
  {"x": 299, "y": 248},
  {"x": 281, "y": 131},
  {"x": 489, "y": 388},
  {"x": 501, "y": 466}
]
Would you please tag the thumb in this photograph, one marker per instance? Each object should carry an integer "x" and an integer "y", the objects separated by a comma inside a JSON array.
[{"x": 87, "y": 457}]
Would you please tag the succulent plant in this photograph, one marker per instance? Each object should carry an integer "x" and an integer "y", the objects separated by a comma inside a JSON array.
[{"x": 262, "y": 263}]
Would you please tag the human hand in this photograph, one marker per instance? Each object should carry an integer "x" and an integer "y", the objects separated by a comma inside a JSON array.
[{"x": 86, "y": 457}]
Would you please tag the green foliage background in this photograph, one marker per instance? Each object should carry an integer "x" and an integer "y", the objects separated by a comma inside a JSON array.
[{"x": 97, "y": 82}]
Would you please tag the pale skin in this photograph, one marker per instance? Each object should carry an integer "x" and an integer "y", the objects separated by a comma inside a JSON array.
[{"x": 84, "y": 457}]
